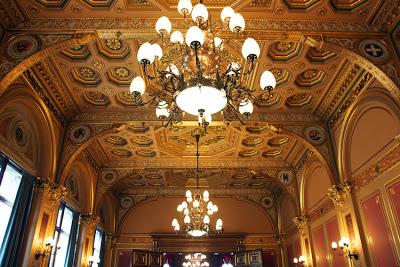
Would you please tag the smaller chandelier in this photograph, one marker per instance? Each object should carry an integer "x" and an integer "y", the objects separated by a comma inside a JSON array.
[
  {"x": 195, "y": 260},
  {"x": 197, "y": 209}
]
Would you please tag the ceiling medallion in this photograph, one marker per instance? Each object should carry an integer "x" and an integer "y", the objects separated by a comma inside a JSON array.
[
  {"x": 197, "y": 209},
  {"x": 203, "y": 84}
]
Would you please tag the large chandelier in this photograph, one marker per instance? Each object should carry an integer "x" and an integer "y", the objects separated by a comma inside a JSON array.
[
  {"x": 197, "y": 209},
  {"x": 203, "y": 83}
]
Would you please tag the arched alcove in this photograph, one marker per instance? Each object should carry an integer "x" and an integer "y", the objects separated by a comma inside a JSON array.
[
  {"x": 155, "y": 216},
  {"x": 317, "y": 183},
  {"x": 371, "y": 126},
  {"x": 24, "y": 121}
]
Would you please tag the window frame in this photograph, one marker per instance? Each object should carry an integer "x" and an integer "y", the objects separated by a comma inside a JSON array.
[
  {"x": 101, "y": 250},
  {"x": 58, "y": 231}
]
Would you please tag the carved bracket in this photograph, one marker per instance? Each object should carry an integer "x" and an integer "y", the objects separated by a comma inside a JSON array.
[
  {"x": 280, "y": 236},
  {"x": 339, "y": 192},
  {"x": 300, "y": 221}
]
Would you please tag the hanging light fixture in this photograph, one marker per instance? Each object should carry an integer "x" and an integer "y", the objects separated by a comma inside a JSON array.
[
  {"x": 202, "y": 84},
  {"x": 195, "y": 260},
  {"x": 197, "y": 209}
]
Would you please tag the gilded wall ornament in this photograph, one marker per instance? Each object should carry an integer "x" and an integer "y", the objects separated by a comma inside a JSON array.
[
  {"x": 54, "y": 191},
  {"x": 89, "y": 219},
  {"x": 339, "y": 192},
  {"x": 300, "y": 221}
]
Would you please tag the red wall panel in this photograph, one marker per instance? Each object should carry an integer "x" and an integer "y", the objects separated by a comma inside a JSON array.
[
  {"x": 377, "y": 231},
  {"x": 270, "y": 258},
  {"x": 289, "y": 251},
  {"x": 297, "y": 248},
  {"x": 320, "y": 247},
  {"x": 394, "y": 193},
  {"x": 332, "y": 229},
  {"x": 124, "y": 258}
]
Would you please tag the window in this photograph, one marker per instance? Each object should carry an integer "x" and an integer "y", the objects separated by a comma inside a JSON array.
[
  {"x": 64, "y": 231},
  {"x": 97, "y": 247},
  {"x": 10, "y": 179}
]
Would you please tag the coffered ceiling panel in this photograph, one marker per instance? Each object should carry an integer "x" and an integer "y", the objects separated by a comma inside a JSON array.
[{"x": 324, "y": 10}]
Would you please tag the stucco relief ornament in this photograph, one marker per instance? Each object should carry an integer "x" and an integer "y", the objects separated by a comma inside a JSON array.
[
  {"x": 54, "y": 191},
  {"x": 339, "y": 192},
  {"x": 89, "y": 219},
  {"x": 280, "y": 236},
  {"x": 300, "y": 221}
]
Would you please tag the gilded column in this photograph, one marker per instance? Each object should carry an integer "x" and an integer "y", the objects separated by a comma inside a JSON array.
[{"x": 88, "y": 222}]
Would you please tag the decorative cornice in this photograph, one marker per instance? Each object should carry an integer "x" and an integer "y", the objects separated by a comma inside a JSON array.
[
  {"x": 181, "y": 191},
  {"x": 300, "y": 221},
  {"x": 384, "y": 164},
  {"x": 303, "y": 160},
  {"x": 362, "y": 84},
  {"x": 340, "y": 87},
  {"x": 338, "y": 193},
  {"x": 33, "y": 81},
  {"x": 132, "y": 25},
  {"x": 148, "y": 115}
]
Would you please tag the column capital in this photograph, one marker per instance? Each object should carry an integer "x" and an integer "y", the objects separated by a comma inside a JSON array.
[
  {"x": 338, "y": 193},
  {"x": 54, "y": 191},
  {"x": 301, "y": 221},
  {"x": 89, "y": 219}
]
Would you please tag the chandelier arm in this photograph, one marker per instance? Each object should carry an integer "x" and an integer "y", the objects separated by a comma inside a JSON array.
[
  {"x": 198, "y": 64},
  {"x": 236, "y": 114},
  {"x": 250, "y": 70},
  {"x": 146, "y": 73}
]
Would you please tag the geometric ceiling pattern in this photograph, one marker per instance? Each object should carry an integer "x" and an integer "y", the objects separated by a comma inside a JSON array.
[{"x": 89, "y": 86}]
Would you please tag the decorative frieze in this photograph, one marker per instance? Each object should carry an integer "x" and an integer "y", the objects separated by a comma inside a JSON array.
[{"x": 339, "y": 192}]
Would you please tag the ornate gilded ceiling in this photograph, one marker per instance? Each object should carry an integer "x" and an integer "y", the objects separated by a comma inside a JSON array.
[{"x": 86, "y": 87}]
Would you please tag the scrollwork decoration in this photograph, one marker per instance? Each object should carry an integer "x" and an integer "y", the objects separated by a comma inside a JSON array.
[{"x": 339, "y": 192}]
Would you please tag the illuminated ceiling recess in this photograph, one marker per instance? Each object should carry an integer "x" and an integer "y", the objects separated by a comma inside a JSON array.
[
  {"x": 202, "y": 84},
  {"x": 197, "y": 209}
]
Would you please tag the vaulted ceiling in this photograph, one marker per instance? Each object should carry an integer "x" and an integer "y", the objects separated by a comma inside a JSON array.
[{"x": 134, "y": 154}]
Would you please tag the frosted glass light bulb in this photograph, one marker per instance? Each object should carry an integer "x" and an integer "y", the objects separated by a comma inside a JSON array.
[
  {"x": 186, "y": 211},
  {"x": 227, "y": 13},
  {"x": 206, "y": 219},
  {"x": 158, "y": 53},
  {"x": 246, "y": 107},
  {"x": 184, "y": 204},
  {"x": 206, "y": 194},
  {"x": 145, "y": 53},
  {"x": 185, "y": 7},
  {"x": 267, "y": 81},
  {"x": 250, "y": 49},
  {"x": 237, "y": 23},
  {"x": 163, "y": 24},
  {"x": 177, "y": 37},
  {"x": 217, "y": 42},
  {"x": 175, "y": 222},
  {"x": 194, "y": 35},
  {"x": 199, "y": 13},
  {"x": 196, "y": 204},
  {"x": 295, "y": 260},
  {"x": 186, "y": 219},
  {"x": 179, "y": 208},
  {"x": 188, "y": 193},
  {"x": 137, "y": 86},
  {"x": 334, "y": 245}
]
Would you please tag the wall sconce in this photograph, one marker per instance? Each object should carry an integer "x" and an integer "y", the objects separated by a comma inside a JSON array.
[
  {"x": 344, "y": 245},
  {"x": 49, "y": 244},
  {"x": 301, "y": 260},
  {"x": 93, "y": 259}
]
